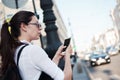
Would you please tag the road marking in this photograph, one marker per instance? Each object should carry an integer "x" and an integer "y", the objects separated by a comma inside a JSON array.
[
  {"x": 115, "y": 77},
  {"x": 98, "y": 79}
]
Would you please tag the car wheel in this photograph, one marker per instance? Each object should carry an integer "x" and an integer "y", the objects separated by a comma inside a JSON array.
[
  {"x": 92, "y": 64},
  {"x": 108, "y": 60}
]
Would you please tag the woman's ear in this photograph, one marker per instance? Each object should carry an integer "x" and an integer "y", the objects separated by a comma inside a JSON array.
[{"x": 23, "y": 27}]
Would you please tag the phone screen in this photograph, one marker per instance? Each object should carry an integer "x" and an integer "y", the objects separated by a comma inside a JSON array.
[{"x": 66, "y": 43}]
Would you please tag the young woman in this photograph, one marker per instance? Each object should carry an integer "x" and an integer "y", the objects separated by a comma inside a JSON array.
[{"x": 22, "y": 29}]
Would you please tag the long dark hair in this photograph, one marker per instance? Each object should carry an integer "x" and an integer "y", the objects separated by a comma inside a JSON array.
[{"x": 9, "y": 39}]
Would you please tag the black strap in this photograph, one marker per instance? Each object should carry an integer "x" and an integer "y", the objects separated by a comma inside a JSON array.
[{"x": 18, "y": 56}]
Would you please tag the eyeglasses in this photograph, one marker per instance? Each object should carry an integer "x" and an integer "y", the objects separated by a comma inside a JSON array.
[{"x": 36, "y": 24}]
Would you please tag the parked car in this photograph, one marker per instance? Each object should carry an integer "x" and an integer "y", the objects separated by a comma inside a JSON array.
[
  {"x": 98, "y": 58},
  {"x": 111, "y": 50},
  {"x": 87, "y": 56}
]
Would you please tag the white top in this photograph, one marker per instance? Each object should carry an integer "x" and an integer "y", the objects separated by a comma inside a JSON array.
[{"x": 33, "y": 60}]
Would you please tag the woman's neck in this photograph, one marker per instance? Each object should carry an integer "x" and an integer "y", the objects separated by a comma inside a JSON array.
[{"x": 24, "y": 38}]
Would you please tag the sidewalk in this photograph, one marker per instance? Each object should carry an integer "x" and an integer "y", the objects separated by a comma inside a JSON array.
[{"x": 79, "y": 71}]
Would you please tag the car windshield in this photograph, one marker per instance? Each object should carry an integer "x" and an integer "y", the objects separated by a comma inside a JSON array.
[{"x": 98, "y": 53}]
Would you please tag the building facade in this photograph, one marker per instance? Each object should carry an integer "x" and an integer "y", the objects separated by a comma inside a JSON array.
[{"x": 115, "y": 14}]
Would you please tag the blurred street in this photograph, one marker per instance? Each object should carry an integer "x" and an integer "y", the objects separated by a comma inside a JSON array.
[{"x": 79, "y": 71}]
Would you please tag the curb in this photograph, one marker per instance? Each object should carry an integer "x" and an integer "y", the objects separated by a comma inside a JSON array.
[{"x": 88, "y": 72}]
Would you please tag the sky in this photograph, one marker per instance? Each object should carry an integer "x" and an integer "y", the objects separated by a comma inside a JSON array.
[{"x": 86, "y": 17}]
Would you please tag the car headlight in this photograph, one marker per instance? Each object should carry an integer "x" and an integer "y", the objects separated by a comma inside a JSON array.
[
  {"x": 93, "y": 59},
  {"x": 106, "y": 57}
]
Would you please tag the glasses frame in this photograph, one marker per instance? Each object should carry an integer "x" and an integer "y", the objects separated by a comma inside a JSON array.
[{"x": 36, "y": 24}]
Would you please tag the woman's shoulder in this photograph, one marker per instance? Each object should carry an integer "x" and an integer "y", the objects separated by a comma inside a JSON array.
[{"x": 35, "y": 49}]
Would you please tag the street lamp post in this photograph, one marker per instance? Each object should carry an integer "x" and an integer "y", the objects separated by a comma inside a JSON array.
[
  {"x": 53, "y": 41},
  {"x": 72, "y": 36}
]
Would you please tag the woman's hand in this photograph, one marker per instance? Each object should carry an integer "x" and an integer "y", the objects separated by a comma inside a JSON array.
[
  {"x": 58, "y": 54},
  {"x": 69, "y": 50}
]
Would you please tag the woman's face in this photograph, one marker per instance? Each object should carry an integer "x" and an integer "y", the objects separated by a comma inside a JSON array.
[{"x": 34, "y": 29}]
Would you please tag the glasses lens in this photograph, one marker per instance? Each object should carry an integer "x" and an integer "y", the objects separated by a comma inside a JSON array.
[{"x": 37, "y": 24}]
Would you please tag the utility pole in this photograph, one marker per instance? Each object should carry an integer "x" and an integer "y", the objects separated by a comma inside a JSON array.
[
  {"x": 34, "y": 7},
  {"x": 74, "y": 46}
]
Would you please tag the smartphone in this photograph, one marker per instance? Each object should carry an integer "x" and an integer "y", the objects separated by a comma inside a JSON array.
[{"x": 66, "y": 43}]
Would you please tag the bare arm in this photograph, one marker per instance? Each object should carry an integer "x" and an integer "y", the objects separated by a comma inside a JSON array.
[{"x": 67, "y": 68}]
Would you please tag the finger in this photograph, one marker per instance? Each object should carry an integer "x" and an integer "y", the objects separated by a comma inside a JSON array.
[{"x": 60, "y": 49}]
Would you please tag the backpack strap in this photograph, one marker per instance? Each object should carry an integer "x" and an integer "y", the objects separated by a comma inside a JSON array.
[{"x": 18, "y": 56}]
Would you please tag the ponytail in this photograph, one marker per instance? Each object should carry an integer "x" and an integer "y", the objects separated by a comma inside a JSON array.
[
  {"x": 5, "y": 34},
  {"x": 7, "y": 46}
]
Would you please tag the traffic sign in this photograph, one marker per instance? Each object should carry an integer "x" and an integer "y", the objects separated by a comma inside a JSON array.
[{"x": 15, "y": 4}]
